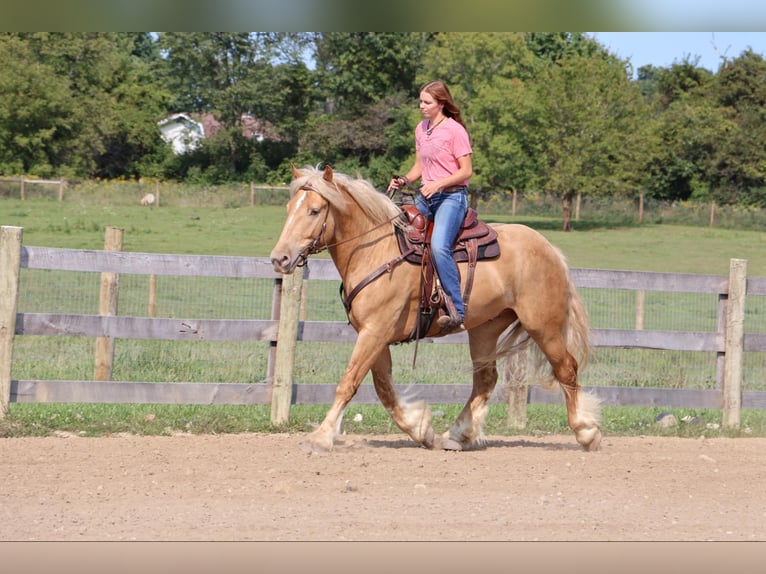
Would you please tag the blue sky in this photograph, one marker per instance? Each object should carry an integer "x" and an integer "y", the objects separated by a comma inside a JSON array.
[{"x": 663, "y": 48}]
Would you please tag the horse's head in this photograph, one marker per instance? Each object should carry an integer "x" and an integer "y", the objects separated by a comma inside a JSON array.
[
  {"x": 308, "y": 216},
  {"x": 328, "y": 209}
]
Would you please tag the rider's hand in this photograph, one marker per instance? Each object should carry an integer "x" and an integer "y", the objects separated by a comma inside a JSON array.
[{"x": 397, "y": 182}]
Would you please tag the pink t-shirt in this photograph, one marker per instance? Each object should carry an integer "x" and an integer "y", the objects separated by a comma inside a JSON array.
[{"x": 440, "y": 151}]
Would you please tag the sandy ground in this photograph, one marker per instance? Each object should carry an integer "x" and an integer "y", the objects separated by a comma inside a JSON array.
[{"x": 374, "y": 488}]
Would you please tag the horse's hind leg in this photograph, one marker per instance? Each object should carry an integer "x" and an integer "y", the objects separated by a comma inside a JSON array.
[
  {"x": 414, "y": 418},
  {"x": 582, "y": 409}
]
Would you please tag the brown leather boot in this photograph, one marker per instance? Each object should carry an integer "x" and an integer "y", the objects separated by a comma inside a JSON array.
[
  {"x": 451, "y": 321},
  {"x": 450, "y": 324}
]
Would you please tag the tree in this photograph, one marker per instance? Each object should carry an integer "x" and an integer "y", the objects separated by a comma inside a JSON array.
[
  {"x": 358, "y": 69},
  {"x": 76, "y": 103},
  {"x": 365, "y": 82},
  {"x": 687, "y": 135},
  {"x": 685, "y": 77},
  {"x": 591, "y": 128},
  {"x": 553, "y": 46},
  {"x": 489, "y": 75},
  {"x": 235, "y": 76},
  {"x": 738, "y": 171},
  {"x": 35, "y": 107}
]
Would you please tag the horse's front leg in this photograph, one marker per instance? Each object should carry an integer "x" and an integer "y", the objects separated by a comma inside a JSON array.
[
  {"x": 413, "y": 417},
  {"x": 468, "y": 427},
  {"x": 365, "y": 353}
]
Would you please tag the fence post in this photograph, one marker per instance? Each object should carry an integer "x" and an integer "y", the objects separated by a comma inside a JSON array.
[
  {"x": 152, "y": 296},
  {"x": 10, "y": 265},
  {"x": 107, "y": 305},
  {"x": 734, "y": 343},
  {"x": 640, "y": 309},
  {"x": 276, "y": 305},
  {"x": 282, "y": 386}
]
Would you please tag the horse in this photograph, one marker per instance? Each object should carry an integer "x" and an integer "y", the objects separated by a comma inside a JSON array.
[{"x": 525, "y": 297}]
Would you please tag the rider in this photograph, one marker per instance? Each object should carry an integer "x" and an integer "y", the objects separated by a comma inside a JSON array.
[{"x": 443, "y": 162}]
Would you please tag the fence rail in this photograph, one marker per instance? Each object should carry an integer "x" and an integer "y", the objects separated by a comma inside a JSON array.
[
  {"x": 23, "y": 181},
  {"x": 729, "y": 342}
]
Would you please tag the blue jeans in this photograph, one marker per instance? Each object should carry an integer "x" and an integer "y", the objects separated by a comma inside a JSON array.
[{"x": 447, "y": 210}]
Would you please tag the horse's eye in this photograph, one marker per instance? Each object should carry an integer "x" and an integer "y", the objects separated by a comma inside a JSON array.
[{"x": 314, "y": 211}]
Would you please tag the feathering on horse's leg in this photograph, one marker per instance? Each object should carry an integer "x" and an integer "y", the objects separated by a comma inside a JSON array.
[
  {"x": 323, "y": 438},
  {"x": 413, "y": 417},
  {"x": 555, "y": 364},
  {"x": 468, "y": 428},
  {"x": 583, "y": 409}
]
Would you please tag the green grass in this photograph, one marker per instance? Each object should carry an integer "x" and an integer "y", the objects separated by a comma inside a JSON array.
[
  {"x": 243, "y": 231},
  {"x": 95, "y": 420},
  {"x": 226, "y": 225}
]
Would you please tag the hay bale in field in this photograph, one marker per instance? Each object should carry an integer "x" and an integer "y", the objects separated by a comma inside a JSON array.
[{"x": 148, "y": 199}]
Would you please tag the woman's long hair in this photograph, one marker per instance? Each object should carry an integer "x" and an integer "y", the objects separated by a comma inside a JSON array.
[{"x": 440, "y": 92}]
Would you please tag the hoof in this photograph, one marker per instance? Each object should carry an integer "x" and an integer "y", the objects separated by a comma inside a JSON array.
[
  {"x": 312, "y": 444},
  {"x": 590, "y": 439},
  {"x": 428, "y": 439},
  {"x": 451, "y": 444}
]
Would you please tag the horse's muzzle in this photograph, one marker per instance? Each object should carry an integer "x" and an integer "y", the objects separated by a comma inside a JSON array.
[{"x": 283, "y": 263}]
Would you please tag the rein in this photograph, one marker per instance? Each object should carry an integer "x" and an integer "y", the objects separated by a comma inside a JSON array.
[
  {"x": 314, "y": 248},
  {"x": 385, "y": 268}
]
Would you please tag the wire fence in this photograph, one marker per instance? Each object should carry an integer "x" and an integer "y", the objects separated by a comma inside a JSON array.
[
  {"x": 599, "y": 208},
  {"x": 41, "y": 357}
]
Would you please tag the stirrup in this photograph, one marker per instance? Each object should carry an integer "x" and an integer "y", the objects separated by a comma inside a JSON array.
[{"x": 449, "y": 324}]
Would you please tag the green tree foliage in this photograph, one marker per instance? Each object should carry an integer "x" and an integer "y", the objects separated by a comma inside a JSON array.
[
  {"x": 553, "y": 46},
  {"x": 358, "y": 69},
  {"x": 35, "y": 111},
  {"x": 546, "y": 112},
  {"x": 551, "y": 113},
  {"x": 76, "y": 104},
  {"x": 233, "y": 76},
  {"x": 489, "y": 76},
  {"x": 738, "y": 173},
  {"x": 710, "y": 133},
  {"x": 686, "y": 136},
  {"x": 365, "y": 84},
  {"x": 591, "y": 128}
]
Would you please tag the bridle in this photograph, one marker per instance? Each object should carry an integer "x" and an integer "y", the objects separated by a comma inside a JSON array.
[
  {"x": 303, "y": 256},
  {"x": 315, "y": 246},
  {"x": 348, "y": 296}
]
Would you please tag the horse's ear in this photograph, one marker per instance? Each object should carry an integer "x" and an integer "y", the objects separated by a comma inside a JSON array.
[
  {"x": 327, "y": 175},
  {"x": 296, "y": 173}
]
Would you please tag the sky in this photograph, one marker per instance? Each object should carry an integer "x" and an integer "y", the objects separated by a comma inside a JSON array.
[{"x": 662, "y": 49}]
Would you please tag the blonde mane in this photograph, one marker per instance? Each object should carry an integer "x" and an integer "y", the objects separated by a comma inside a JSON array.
[{"x": 376, "y": 205}]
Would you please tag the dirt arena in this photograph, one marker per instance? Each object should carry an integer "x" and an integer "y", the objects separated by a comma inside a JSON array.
[{"x": 376, "y": 488}]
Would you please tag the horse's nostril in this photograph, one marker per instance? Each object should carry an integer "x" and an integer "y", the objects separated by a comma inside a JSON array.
[{"x": 280, "y": 262}]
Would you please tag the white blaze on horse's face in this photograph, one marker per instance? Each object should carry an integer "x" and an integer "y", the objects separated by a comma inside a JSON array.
[{"x": 303, "y": 228}]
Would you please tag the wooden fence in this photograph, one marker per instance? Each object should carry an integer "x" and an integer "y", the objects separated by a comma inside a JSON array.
[
  {"x": 23, "y": 181},
  {"x": 286, "y": 327}
]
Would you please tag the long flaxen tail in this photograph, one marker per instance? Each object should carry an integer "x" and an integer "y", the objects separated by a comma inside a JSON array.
[{"x": 575, "y": 330}]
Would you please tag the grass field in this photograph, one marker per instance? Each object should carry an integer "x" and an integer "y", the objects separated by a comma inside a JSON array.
[{"x": 231, "y": 227}]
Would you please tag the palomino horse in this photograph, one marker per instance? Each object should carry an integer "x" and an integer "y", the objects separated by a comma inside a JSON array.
[{"x": 525, "y": 293}]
